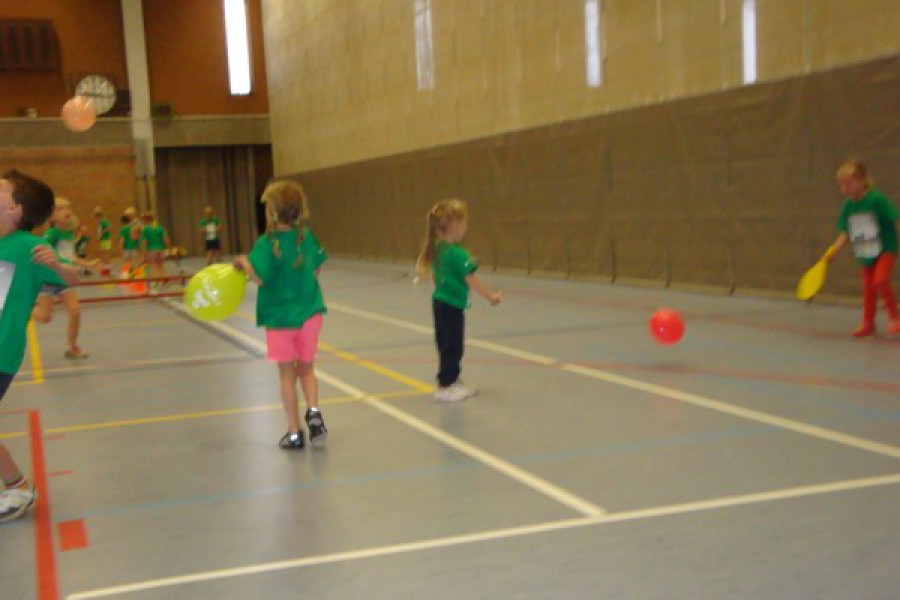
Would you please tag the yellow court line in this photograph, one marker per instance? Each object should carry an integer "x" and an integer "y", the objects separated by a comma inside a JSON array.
[
  {"x": 37, "y": 366},
  {"x": 416, "y": 384}
]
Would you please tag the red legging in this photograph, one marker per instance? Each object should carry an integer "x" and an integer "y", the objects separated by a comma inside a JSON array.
[{"x": 877, "y": 279}]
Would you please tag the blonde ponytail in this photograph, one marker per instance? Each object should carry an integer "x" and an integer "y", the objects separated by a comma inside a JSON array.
[
  {"x": 438, "y": 218},
  {"x": 285, "y": 202}
]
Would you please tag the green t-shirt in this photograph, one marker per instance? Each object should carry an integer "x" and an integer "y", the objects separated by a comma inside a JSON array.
[
  {"x": 154, "y": 236},
  {"x": 103, "y": 231},
  {"x": 869, "y": 223},
  {"x": 290, "y": 293},
  {"x": 451, "y": 264},
  {"x": 128, "y": 242},
  {"x": 62, "y": 241},
  {"x": 20, "y": 281},
  {"x": 210, "y": 228}
]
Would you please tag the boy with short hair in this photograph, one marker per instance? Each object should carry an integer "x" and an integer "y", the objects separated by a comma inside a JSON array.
[{"x": 27, "y": 262}]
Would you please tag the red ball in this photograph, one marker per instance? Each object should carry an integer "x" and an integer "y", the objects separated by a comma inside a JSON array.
[
  {"x": 666, "y": 326},
  {"x": 79, "y": 114}
]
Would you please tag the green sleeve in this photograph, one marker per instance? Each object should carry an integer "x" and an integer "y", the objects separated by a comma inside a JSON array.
[
  {"x": 888, "y": 208},
  {"x": 464, "y": 263},
  {"x": 262, "y": 259},
  {"x": 46, "y": 275},
  {"x": 842, "y": 224},
  {"x": 314, "y": 251},
  {"x": 52, "y": 236}
]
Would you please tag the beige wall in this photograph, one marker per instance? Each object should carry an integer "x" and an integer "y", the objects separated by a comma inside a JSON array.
[{"x": 342, "y": 73}]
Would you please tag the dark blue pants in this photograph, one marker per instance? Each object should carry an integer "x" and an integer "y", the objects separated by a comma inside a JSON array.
[{"x": 449, "y": 333}]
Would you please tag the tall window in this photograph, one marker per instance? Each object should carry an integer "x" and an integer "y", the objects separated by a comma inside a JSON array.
[
  {"x": 593, "y": 58},
  {"x": 748, "y": 26},
  {"x": 424, "y": 45},
  {"x": 238, "y": 47}
]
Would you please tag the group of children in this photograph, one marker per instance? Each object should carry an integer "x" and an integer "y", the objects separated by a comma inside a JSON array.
[{"x": 285, "y": 264}]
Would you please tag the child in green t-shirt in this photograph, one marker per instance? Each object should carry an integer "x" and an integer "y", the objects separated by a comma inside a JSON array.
[
  {"x": 868, "y": 221},
  {"x": 26, "y": 264},
  {"x": 62, "y": 237},
  {"x": 130, "y": 241},
  {"x": 285, "y": 264},
  {"x": 156, "y": 241},
  {"x": 453, "y": 270},
  {"x": 104, "y": 237},
  {"x": 210, "y": 225}
]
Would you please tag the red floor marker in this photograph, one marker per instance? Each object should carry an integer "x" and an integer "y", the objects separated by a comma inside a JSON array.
[
  {"x": 72, "y": 535},
  {"x": 45, "y": 557}
]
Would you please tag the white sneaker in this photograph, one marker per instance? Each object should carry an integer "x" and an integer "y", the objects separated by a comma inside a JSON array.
[
  {"x": 451, "y": 393},
  {"x": 468, "y": 391},
  {"x": 14, "y": 502},
  {"x": 456, "y": 392}
]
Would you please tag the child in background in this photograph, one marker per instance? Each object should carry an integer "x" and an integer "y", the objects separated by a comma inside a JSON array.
[
  {"x": 210, "y": 226},
  {"x": 81, "y": 244},
  {"x": 27, "y": 263},
  {"x": 104, "y": 238},
  {"x": 156, "y": 242},
  {"x": 285, "y": 264},
  {"x": 869, "y": 222},
  {"x": 61, "y": 237},
  {"x": 130, "y": 241},
  {"x": 453, "y": 270}
]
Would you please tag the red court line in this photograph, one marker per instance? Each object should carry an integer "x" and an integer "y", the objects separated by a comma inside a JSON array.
[
  {"x": 72, "y": 535},
  {"x": 45, "y": 558},
  {"x": 59, "y": 473}
]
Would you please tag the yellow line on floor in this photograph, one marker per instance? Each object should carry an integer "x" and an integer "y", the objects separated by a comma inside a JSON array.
[
  {"x": 416, "y": 384},
  {"x": 37, "y": 366}
]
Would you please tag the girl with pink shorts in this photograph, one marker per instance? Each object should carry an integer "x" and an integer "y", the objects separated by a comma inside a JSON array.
[{"x": 285, "y": 264}]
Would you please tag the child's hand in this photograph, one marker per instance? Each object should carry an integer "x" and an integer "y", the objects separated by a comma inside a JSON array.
[
  {"x": 44, "y": 255},
  {"x": 494, "y": 298},
  {"x": 238, "y": 263}
]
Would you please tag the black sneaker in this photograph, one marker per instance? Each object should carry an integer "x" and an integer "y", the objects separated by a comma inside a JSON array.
[
  {"x": 316, "y": 425},
  {"x": 292, "y": 441}
]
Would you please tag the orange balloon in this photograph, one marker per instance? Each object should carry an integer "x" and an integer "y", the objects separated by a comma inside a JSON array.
[{"x": 79, "y": 114}]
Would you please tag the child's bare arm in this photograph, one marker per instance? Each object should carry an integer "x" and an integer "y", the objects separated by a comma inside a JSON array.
[
  {"x": 242, "y": 263},
  {"x": 44, "y": 255},
  {"x": 836, "y": 247},
  {"x": 491, "y": 296}
]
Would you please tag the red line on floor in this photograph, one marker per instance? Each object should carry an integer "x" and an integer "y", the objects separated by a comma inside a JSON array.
[
  {"x": 72, "y": 535},
  {"x": 45, "y": 558},
  {"x": 59, "y": 473}
]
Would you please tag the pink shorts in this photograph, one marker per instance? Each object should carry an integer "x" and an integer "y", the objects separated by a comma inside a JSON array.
[{"x": 289, "y": 345}]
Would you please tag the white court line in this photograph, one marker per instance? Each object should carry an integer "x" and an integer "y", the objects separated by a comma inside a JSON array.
[
  {"x": 174, "y": 361},
  {"x": 673, "y": 394},
  {"x": 537, "y": 484},
  {"x": 529, "y": 356},
  {"x": 493, "y": 535}
]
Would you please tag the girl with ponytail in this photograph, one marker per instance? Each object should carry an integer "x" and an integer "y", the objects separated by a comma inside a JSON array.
[{"x": 453, "y": 270}]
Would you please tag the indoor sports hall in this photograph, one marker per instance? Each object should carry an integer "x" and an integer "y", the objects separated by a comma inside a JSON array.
[{"x": 676, "y": 398}]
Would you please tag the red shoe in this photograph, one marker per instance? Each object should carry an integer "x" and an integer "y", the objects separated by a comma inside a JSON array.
[
  {"x": 894, "y": 327},
  {"x": 864, "y": 330}
]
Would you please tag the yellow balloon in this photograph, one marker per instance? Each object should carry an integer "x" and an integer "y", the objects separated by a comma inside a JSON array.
[{"x": 215, "y": 292}]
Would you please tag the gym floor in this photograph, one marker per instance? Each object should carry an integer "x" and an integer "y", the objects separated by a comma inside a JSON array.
[{"x": 757, "y": 458}]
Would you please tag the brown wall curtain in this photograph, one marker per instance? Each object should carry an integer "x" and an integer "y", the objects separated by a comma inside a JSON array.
[{"x": 189, "y": 179}]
